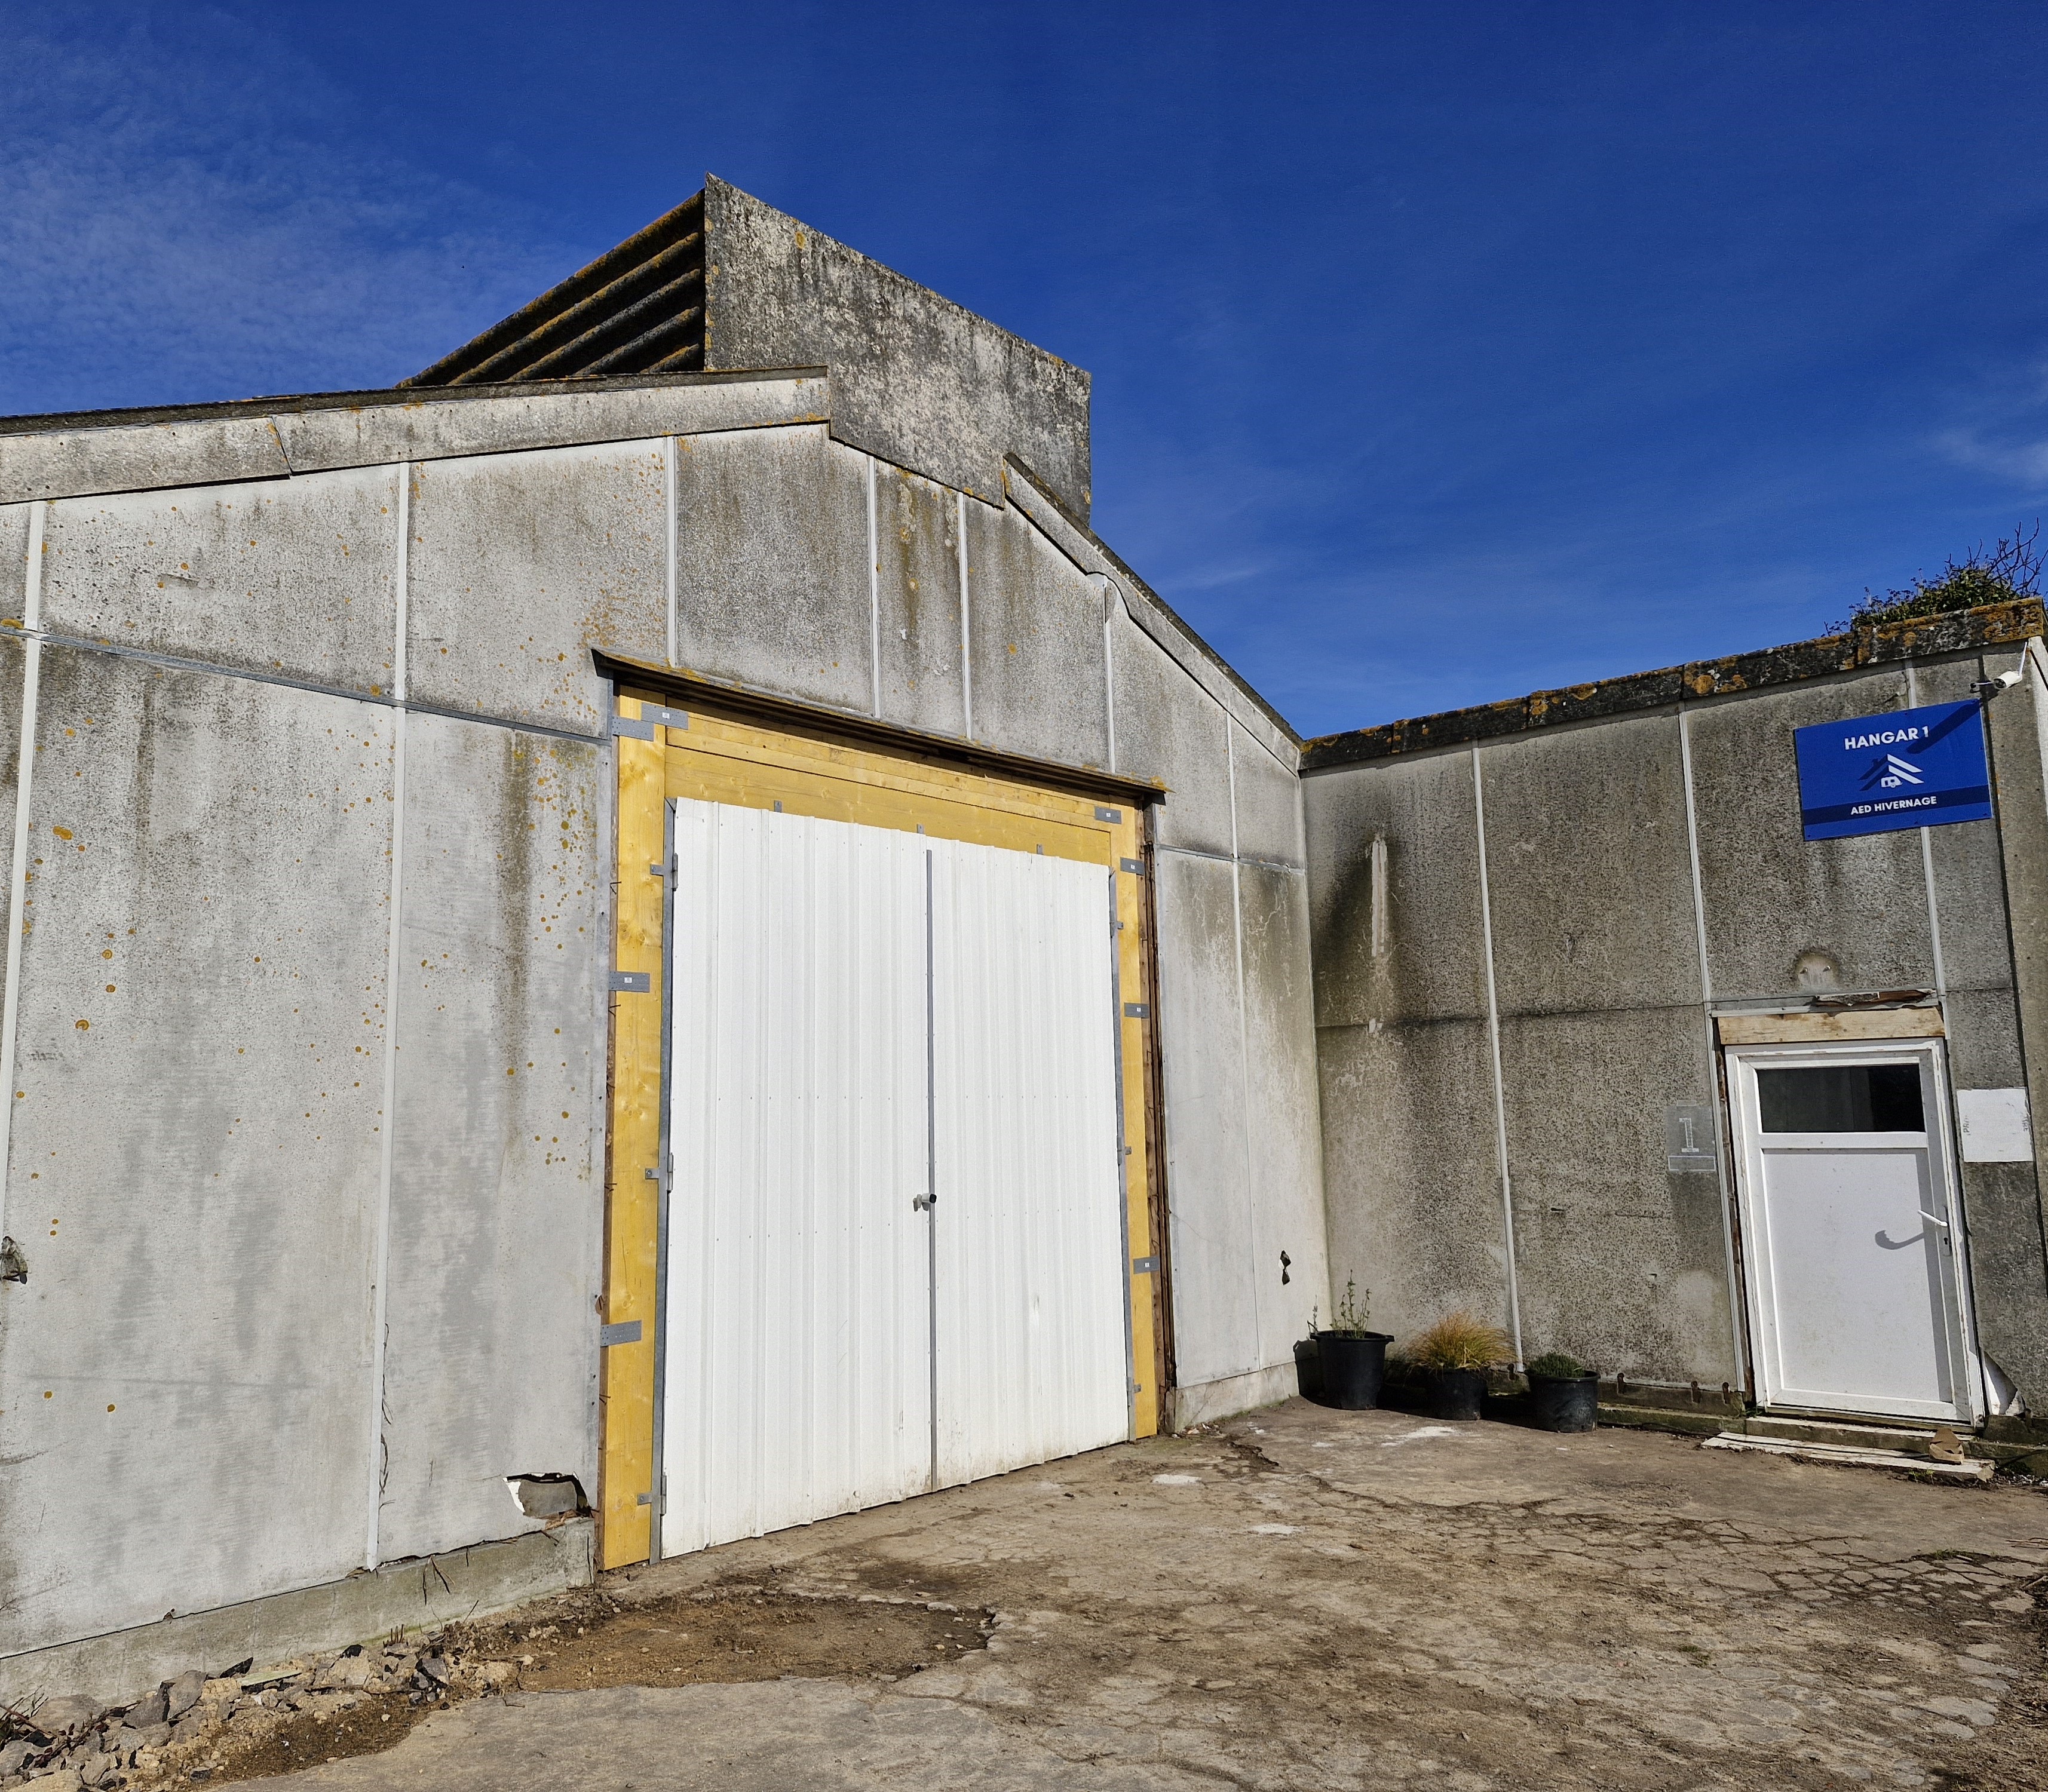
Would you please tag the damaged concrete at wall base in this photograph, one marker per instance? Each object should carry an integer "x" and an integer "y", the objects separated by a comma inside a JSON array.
[{"x": 421, "y": 1594}]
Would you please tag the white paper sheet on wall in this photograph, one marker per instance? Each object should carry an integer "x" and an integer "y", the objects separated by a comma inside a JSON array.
[{"x": 1996, "y": 1126}]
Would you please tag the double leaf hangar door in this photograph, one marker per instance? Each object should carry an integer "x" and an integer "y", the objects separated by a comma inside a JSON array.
[{"x": 893, "y": 1253}]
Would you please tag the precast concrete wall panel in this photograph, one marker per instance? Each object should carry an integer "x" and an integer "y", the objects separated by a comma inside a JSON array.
[
  {"x": 1425, "y": 957},
  {"x": 136, "y": 457},
  {"x": 1268, "y": 799},
  {"x": 1970, "y": 905},
  {"x": 2001, "y": 1202},
  {"x": 497, "y": 1201},
  {"x": 454, "y": 423},
  {"x": 1621, "y": 1262},
  {"x": 2009, "y": 1271},
  {"x": 1969, "y": 875},
  {"x": 14, "y": 561},
  {"x": 185, "y": 1377},
  {"x": 1411, "y": 1176},
  {"x": 1284, "y": 1185},
  {"x": 1035, "y": 631},
  {"x": 1410, "y": 1171},
  {"x": 293, "y": 577},
  {"x": 1170, "y": 730},
  {"x": 1216, "y": 1328},
  {"x": 1589, "y": 870},
  {"x": 1983, "y": 1038},
  {"x": 917, "y": 600},
  {"x": 772, "y": 577},
  {"x": 1773, "y": 898},
  {"x": 520, "y": 564}
]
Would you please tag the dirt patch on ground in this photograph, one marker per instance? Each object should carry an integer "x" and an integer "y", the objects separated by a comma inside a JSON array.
[
  {"x": 304, "y": 1739},
  {"x": 723, "y": 1633},
  {"x": 591, "y": 1639}
]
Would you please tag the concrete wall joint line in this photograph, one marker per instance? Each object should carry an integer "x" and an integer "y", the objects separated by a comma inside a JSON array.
[
  {"x": 1493, "y": 1041},
  {"x": 1111, "y": 600},
  {"x": 874, "y": 593},
  {"x": 1243, "y": 1028},
  {"x": 17, "y": 879},
  {"x": 967, "y": 632},
  {"x": 381, "y": 1246},
  {"x": 1085, "y": 549},
  {"x": 1962, "y": 1245},
  {"x": 675, "y": 522},
  {"x": 1927, "y": 863}
]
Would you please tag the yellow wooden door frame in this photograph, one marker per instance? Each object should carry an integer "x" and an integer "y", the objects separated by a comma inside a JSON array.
[{"x": 747, "y": 763}]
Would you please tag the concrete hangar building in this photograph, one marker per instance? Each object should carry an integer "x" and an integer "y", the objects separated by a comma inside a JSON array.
[{"x": 645, "y": 939}]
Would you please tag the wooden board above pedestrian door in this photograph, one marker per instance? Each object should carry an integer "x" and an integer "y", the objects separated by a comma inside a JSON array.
[{"x": 884, "y": 980}]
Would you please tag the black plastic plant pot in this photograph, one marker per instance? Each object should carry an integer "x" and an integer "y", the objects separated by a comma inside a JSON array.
[
  {"x": 1309, "y": 1369},
  {"x": 1354, "y": 1367},
  {"x": 1557, "y": 1404},
  {"x": 1456, "y": 1393}
]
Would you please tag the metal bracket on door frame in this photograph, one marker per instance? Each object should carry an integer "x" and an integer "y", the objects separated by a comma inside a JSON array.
[
  {"x": 652, "y": 716},
  {"x": 633, "y": 982}
]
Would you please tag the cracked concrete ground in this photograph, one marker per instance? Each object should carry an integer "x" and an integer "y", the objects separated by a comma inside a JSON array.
[{"x": 1310, "y": 1599}]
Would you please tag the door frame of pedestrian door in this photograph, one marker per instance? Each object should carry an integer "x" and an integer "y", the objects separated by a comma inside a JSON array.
[
  {"x": 677, "y": 738},
  {"x": 1929, "y": 1053}
]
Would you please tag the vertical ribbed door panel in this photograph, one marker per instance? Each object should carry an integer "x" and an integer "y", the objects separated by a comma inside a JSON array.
[
  {"x": 797, "y": 1343},
  {"x": 1032, "y": 1353}
]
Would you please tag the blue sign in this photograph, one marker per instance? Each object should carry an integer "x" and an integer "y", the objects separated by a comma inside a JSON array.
[{"x": 1910, "y": 768}]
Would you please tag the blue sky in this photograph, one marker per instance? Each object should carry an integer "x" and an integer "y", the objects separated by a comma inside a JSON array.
[{"x": 1441, "y": 353}]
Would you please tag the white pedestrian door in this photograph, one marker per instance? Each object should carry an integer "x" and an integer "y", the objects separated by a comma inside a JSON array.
[
  {"x": 1856, "y": 1278},
  {"x": 894, "y": 1254}
]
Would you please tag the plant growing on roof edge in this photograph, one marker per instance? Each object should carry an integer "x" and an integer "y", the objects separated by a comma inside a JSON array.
[{"x": 2010, "y": 570}]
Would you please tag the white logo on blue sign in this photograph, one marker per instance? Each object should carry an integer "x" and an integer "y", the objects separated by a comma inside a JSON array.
[{"x": 1872, "y": 774}]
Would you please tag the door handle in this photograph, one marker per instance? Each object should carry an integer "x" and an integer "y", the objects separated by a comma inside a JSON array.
[{"x": 1932, "y": 1220}]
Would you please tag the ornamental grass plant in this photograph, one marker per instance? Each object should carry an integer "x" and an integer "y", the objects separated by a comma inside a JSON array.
[{"x": 1461, "y": 1340}]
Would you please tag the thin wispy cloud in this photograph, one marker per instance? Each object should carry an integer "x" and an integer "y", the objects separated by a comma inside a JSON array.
[
  {"x": 2003, "y": 430},
  {"x": 2024, "y": 463},
  {"x": 183, "y": 221}
]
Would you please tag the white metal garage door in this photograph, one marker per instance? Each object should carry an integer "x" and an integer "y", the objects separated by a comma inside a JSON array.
[{"x": 861, "y": 1018}]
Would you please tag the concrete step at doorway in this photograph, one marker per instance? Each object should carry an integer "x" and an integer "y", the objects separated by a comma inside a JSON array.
[
  {"x": 1875, "y": 1434},
  {"x": 1852, "y": 1453}
]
